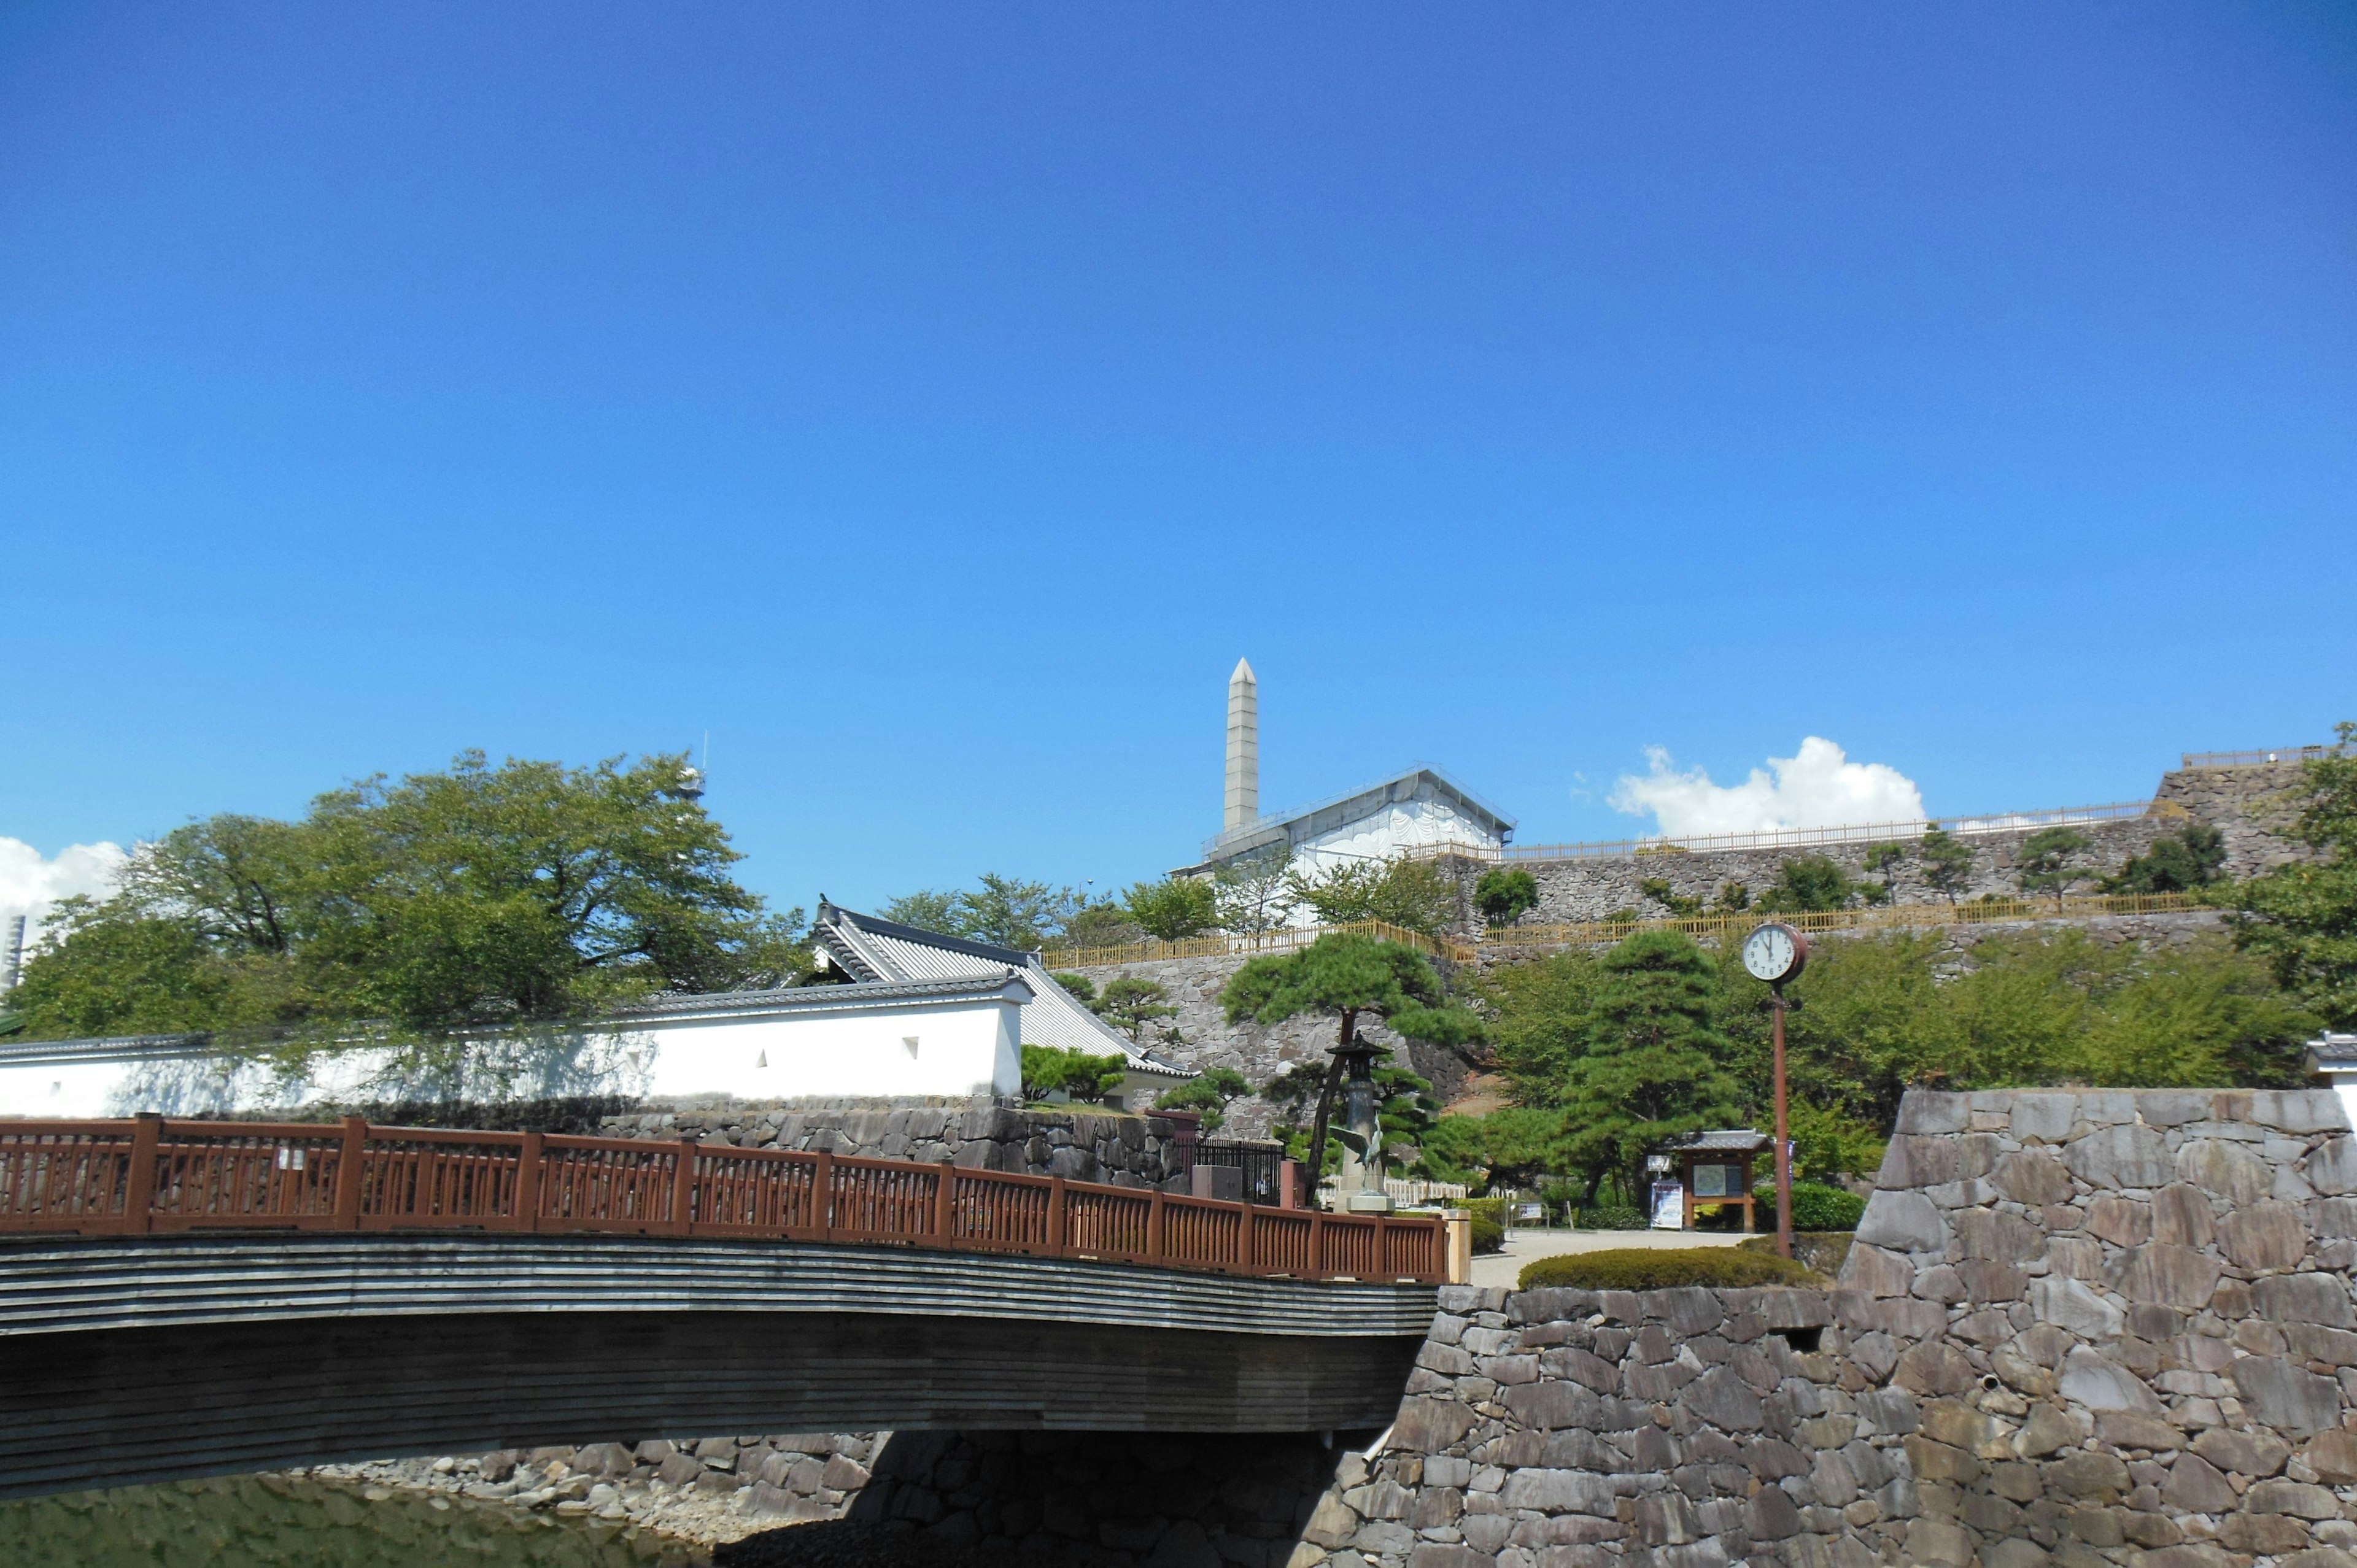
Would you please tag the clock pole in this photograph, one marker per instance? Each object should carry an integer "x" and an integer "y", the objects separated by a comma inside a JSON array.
[{"x": 1783, "y": 1137}]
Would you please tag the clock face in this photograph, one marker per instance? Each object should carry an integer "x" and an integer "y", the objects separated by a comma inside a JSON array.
[{"x": 1767, "y": 954}]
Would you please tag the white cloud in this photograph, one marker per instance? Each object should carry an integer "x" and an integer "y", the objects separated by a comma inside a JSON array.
[
  {"x": 29, "y": 884},
  {"x": 1819, "y": 788}
]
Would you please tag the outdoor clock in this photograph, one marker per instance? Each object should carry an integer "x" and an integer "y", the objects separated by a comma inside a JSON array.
[{"x": 1776, "y": 953}]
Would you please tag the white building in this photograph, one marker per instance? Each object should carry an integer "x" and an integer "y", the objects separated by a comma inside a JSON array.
[
  {"x": 915, "y": 1017},
  {"x": 1419, "y": 809}
]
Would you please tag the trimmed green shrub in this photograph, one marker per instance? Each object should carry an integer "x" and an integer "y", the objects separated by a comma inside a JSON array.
[
  {"x": 1648, "y": 1268},
  {"x": 1493, "y": 1209},
  {"x": 1488, "y": 1236},
  {"x": 1816, "y": 1206},
  {"x": 1609, "y": 1216}
]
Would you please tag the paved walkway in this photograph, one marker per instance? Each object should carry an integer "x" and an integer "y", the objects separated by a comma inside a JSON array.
[{"x": 1522, "y": 1246}]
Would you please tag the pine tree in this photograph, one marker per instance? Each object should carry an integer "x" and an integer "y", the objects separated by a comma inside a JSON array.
[{"x": 1655, "y": 1067}]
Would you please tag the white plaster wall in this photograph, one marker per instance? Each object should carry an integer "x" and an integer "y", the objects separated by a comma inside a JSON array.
[{"x": 962, "y": 1050}]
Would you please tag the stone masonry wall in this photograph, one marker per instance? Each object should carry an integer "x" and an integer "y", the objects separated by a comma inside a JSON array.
[
  {"x": 2248, "y": 805},
  {"x": 1201, "y": 1037},
  {"x": 1123, "y": 1151},
  {"x": 2100, "y": 1327}
]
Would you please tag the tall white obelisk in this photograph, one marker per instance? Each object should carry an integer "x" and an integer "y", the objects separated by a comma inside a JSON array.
[{"x": 1243, "y": 747}]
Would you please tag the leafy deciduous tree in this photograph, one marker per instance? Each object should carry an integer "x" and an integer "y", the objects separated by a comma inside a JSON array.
[
  {"x": 1505, "y": 894},
  {"x": 1174, "y": 908},
  {"x": 2301, "y": 919},
  {"x": 1415, "y": 894},
  {"x": 473, "y": 898}
]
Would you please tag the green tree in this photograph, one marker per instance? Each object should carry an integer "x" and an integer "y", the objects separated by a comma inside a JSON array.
[
  {"x": 2048, "y": 862},
  {"x": 1004, "y": 910},
  {"x": 928, "y": 910},
  {"x": 1210, "y": 1094},
  {"x": 1809, "y": 883},
  {"x": 2300, "y": 919},
  {"x": 1655, "y": 1066},
  {"x": 1662, "y": 891},
  {"x": 1079, "y": 985},
  {"x": 1103, "y": 924},
  {"x": 1174, "y": 908},
  {"x": 1505, "y": 894},
  {"x": 1885, "y": 859},
  {"x": 1947, "y": 863},
  {"x": 473, "y": 898},
  {"x": 1129, "y": 1003},
  {"x": 1254, "y": 893},
  {"x": 2187, "y": 860},
  {"x": 1539, "y": 1017},
  {"x": 1734, "y": 898},
  {"x": 1415, "y": 894},
  {"x": 1349, "y": 978},
  {"x": 1079, "y": 1074}
]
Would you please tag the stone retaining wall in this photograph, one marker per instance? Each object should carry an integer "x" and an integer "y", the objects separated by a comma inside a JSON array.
[
  {"x": 2249, "y": 806},
  {"x": 1123, "y": 1151}
]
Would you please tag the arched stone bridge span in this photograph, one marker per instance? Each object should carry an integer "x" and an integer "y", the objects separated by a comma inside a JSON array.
[{"x": 139, "y": 1359}]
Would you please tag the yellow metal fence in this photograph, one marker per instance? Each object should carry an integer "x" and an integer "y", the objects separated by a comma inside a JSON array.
[
  {"x": 1220, "y": 945},
  {"x": 1897, "y": 917}
]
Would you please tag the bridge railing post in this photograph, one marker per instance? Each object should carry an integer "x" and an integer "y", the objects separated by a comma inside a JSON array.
[
  {"x": 139, "y": 1181},
  {"x": 1244, "y": 1237},
  {"x": 1317, "y": 1243},
  {"x": 682, "y": 1187},
  {"x": 349, "y": 1180},
  {"x": 1056, "y": 1230},
  {"x": 1154, "y": 1226},
  {"x": 945, "y": 1204},
  {"x": 527, "y": 1185},
  {"x": 823, "y": 1194}
]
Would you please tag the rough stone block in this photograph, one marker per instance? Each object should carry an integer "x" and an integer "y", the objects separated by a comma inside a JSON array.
[
  {"x": 2266, "y": 1235},
  {"x": 2043, "y": 1118},
  {"x": 1881, "y": 1273},
  {"x": 2181, "y": 1214},
  {"x": 2125, "y": 1155},
  {"x": 1903, "y": 1221},
  {"x": 2099, "y": 1384},
  {"x": 2069, "y": 1303},
  {"x": 1917, "y": 1162},
  {"x": 2331, "y": 1169},
  {"x": 2173, "y": 1277},
  {"x": 2122, "y": 1221},
  {"x": 1558, "y": 1491},
  {"x": 2298, "y": 1110},
  {"x": 2226, "y": 1170},
  {"x": 2032, "y": 1177},
  {"x": 2287, "y": 1397},
  {"x": 2294, "y": 1498},
  {"x": 1929, "y": 1110},
  {"x": 2333, "y": 1457},
  {"x": 1430, "y": 1425}
]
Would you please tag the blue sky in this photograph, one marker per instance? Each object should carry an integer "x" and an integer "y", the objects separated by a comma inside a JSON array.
[{"x": 932, "y": 404}]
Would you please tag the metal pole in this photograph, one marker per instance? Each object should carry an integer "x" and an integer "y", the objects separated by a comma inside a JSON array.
[{"x": 1783, "y": 1141}]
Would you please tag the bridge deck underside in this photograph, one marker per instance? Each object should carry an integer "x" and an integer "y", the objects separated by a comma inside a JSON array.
[
  {"x": 151, "y": 1404},
  {"x": 140, "y": 1362}
]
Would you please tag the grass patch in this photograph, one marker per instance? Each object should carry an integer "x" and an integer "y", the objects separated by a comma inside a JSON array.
[{"x": 1650, "y": 1268}]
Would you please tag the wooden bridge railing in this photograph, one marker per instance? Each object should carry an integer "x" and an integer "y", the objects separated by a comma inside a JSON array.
[{"x": 148, "y": 1175}]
